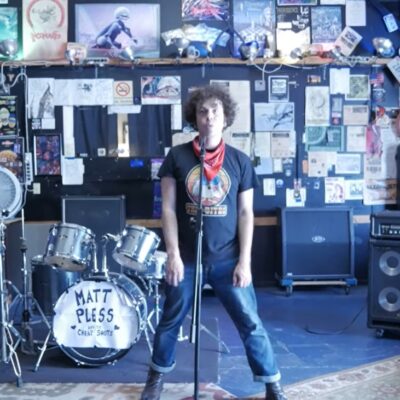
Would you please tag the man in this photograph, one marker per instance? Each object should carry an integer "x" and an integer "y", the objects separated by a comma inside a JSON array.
[{"x": 227, "y": 200}]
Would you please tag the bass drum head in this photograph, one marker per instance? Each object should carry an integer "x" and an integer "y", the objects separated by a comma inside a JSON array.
[
  {"x": 93, "y": 357},
  {"x": 97, "y": 320}
]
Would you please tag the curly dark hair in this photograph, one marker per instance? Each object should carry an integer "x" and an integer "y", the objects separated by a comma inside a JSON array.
[{"x": 204, "y": 93}]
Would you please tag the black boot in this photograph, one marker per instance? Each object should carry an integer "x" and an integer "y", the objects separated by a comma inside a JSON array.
[
  {"x": 154, "y": 386},
  {"x": 274, "y": 391}
]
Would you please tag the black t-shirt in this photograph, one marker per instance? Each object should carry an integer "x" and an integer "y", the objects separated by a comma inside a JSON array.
[{"x": 220, "y": 196}]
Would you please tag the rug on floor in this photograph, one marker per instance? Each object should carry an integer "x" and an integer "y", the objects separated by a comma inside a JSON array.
[
  {"x": 376, "y": 381},
  {"x": 111, "y": 391}
]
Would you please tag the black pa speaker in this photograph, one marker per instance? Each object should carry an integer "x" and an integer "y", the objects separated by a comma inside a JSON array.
[
  {"x": 384, "y": 284},
  {"x": 317, "y": 243},
  {"x": 101, "y": 214}
]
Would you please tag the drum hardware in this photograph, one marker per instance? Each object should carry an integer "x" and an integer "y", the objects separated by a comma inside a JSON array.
[
  {"x": 10, "y": 204},
  {"x": 98, "y": 319},
  {"x": 26, "y": 298}
]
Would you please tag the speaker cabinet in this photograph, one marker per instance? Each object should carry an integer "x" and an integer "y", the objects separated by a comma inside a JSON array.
[
  {"x": 384, "y": 284},
  {"x": 101, "y": 214},
  {"x": 317, "y": 244}
]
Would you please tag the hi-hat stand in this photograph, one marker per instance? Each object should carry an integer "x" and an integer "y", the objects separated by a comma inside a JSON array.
[
  {"x": 8, "y": 347},
  {"x": 27, "y": 299}
]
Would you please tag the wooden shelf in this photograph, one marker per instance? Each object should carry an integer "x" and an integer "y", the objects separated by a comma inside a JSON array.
[{"x": 314, "y": 60}]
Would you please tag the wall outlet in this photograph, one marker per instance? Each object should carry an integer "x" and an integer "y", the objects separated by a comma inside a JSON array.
[{"x": 259, "y": 85}]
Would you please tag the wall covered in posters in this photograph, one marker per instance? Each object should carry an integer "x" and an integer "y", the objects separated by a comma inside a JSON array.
[{"x": 319, "y": 135}]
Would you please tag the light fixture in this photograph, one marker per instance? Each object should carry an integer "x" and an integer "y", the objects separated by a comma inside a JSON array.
[
  {"x": 127, "y": 53},
  {"x": 181, "y": 43},
  {"x": 9, "y": 48},
  {"x": 75, "y": 53},
  {"x": 384, "y": 47},
  {"x": 296, "y": 53},
  {"x": 70, "y": 55}
]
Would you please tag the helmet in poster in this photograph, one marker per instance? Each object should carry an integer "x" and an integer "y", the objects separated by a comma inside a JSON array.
[{"x": 122, "y": 13}]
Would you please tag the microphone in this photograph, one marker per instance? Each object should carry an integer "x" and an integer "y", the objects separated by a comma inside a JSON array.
[{"x": 202, "y": 146}]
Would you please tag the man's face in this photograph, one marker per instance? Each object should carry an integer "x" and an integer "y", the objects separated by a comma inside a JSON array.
[{"x": 210, "y": 118}]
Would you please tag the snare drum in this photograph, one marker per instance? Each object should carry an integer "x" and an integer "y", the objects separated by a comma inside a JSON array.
[
  {"x": 136, "y": 247},
  {"x": 97, "y": 320},
  {"x": 69, "y": 247}
]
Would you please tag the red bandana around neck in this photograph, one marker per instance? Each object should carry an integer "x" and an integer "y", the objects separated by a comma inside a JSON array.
[{"x": 213, "y": 159}]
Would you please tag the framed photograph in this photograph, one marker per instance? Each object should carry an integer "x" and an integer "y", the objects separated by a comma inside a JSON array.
[
  {"x": 47, "y": 150},
  {"x": 278, "y": 89},
  {"x": 107, "y": 28},
  {"x": 359, "y": 88}
]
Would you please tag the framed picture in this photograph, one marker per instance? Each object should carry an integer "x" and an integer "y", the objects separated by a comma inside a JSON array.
[
  {"x": 47, "y": 149},
  {"x": 107, "y": 28},
  {"x": 359, "y": 88},
  {"x": 278, "y": 89}
]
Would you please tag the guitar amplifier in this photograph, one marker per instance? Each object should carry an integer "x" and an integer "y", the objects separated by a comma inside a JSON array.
[{"x": 385, "y": 225}]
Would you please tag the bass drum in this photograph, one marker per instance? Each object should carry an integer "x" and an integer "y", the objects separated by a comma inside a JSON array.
[
  {"x": 49, "y": 282},
  {"x": 97, "y": 320}
]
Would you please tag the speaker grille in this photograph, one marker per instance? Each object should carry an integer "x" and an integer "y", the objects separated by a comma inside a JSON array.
[{"x": 317, "y": 243}]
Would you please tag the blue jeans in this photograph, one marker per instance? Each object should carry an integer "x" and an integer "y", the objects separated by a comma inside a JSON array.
[{"x": 240, "y": 304}]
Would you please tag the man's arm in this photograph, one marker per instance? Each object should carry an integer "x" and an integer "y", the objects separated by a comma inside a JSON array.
[
  {"x": 242, "y": 273},
  {"x": 174, "y": 270}
]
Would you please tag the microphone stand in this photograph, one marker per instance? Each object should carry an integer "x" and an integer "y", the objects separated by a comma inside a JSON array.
[{"x": 195, "y": 326}]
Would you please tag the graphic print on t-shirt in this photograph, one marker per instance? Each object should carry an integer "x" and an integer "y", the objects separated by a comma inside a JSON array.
[{"x": 213, "y": 192}]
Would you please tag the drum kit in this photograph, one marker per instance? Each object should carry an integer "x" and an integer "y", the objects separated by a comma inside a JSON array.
[{"x": 100, "y": 314}]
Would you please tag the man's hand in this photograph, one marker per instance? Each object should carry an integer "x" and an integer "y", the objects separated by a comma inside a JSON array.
[
  {"x": 242, "y": 275},
  {"x": 174, "y": 272}
]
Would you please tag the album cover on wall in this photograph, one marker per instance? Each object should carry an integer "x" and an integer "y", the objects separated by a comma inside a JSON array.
[
  {"x": 12, "y": 155},
  {"x": 8, "y": 116},
  {"x": 47, "y": 150},
  {"x": 107, "y": 28}
]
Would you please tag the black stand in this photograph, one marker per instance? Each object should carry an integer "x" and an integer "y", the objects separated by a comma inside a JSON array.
[{"x": 195, "y": 327}]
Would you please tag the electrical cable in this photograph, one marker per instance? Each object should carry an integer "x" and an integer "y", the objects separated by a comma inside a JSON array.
[{"x": 338, "y": 332}]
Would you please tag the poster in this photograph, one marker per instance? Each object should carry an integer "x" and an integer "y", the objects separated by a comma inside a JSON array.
[
  {"x": 8, "y": 116},
  {"x": 8, "y": 29},
  {"x": 47, "y": 150},
  {"x": 217, "y": 10},
  {"x": 254, "y": 20},
  {"x": 292, "y": 29},
  {"x": 12, "y": 155},
  {"x": 45, "y": 26},
  {"x": 326, "y": 25},
  {"x": 108, "y": 28}
]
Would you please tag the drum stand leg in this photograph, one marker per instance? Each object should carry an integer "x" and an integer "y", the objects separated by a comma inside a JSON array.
[
  {"x": 221, "y": 343},
  {"x": 42, "y": 350},
  {"x": 7, "y": 344},
  {"x": 156, "y": 311}
]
